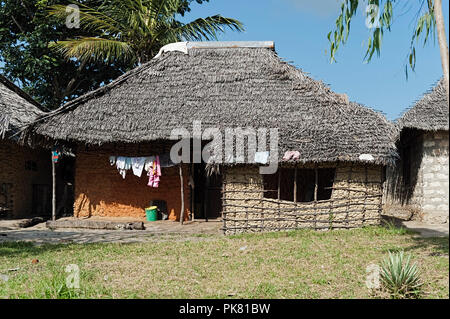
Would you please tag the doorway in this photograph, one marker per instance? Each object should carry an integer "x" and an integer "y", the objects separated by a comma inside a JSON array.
[{"x": 206, "y": 200}]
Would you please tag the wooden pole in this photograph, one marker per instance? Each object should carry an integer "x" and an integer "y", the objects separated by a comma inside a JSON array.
[
  {"x": 182, "y": 196},
  {"x": 193, "y": 193},
  {"x": 295, "y": 185},
  {"x": 279, "y": 183},
  {"x": 53, "y": 188},
  {"x": 316, "y": 185}
]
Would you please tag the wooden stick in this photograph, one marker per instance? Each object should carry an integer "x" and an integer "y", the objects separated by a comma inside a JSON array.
[
  {"x": 302, "y": 208},
  {"x": 316, "y": 187},
  {"x": 279, "y": 182},
  {"x": 193, "y": 193},
  {"x": 295, "y": 219},
  {"x": 295, "y": 185},
  {"x": 300, "y": 214},
  {"x": 53, "y": 188},
  {"x": 182, "y": 196},
  {"x": 224, "y": 213},
  {"x": 303, "y": 204}
]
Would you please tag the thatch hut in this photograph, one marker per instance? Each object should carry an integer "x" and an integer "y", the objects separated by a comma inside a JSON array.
[
  {"x": 418, "y": 184},
  {"x": 334, "y": 178},
  {"x": 25, "y": 180}
]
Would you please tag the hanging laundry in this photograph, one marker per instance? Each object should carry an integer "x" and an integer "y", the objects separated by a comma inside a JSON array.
[
  {"x": 137, "y": 164},
  {"x": 55, "y": 155},
  {"x": 123, "y": 173},
  {"x": 128, "y": 163},
  {"x": 123, "y": 164},
  {"x": 154, "y": 173},
  {"x": 291, "y": 155},
  {"x": 120, "y": 162},
  {"x": 148, "y": 163}
]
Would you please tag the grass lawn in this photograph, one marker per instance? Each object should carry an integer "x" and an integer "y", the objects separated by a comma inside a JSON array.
[{"x": 298, "y": 264}]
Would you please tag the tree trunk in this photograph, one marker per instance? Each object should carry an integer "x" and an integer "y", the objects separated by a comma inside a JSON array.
[{"x": 440, "y": 25}]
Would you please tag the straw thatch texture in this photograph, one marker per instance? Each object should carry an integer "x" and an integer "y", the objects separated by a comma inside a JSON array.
[
  {"x": 225, "y": 87},
  {"x": 17, "y": 109},
  {"x": 430, "y": 113}
]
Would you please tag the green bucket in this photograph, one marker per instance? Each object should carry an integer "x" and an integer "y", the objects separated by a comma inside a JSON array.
[{"x": 151, "y": 213}]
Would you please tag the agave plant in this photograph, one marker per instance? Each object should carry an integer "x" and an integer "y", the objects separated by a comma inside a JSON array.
[
  {"x": 400, "y": 276},
  {"x": 134, "y": 30}
]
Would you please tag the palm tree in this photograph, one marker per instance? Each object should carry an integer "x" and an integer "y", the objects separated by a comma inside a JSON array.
[{"x": 133, "y": 31}]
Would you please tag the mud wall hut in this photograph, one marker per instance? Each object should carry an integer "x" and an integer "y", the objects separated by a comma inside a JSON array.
[
  {"x": 338, "y": 148},
  {"x": 25, "y": 178},
  {"x": 418, "y": 185}
]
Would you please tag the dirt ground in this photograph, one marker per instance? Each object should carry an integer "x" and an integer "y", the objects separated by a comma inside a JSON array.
[
  {"x": 158, "y": 230},
  {"x": 154, "y": 231}
]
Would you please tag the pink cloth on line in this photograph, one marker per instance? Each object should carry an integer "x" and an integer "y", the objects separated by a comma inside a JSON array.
[
  {"x": 154, "y": 173},
  {"x": 294, "y": 155}
]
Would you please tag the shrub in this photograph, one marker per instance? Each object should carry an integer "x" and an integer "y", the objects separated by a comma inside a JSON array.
[{"x": 400, "y": 277}]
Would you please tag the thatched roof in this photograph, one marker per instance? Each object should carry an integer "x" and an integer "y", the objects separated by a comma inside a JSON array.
[
  {"x": 225, "y": 85},
  {"x": 17, "y": 109},
  {"x": 430, "y": 113}
]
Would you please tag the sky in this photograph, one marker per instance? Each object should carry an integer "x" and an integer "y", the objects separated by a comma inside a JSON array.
[{"x": 299, "y": 29}]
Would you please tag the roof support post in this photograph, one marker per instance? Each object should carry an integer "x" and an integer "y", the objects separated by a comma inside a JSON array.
[
  {"x": 279, "y": 183},
  {"x": 316, "y": 183},
  {"x": 53, "y": 187},
  {"x": 182, "y": 195},
  {"x": 192, "y": 193},
  {"x": 295, "y": 184}
]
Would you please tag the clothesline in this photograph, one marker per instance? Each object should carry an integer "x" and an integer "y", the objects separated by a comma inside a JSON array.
[{"x": 151, "y": 164}]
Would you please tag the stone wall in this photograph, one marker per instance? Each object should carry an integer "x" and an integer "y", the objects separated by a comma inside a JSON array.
[
  {"x": 403, "y": 199},
  {"x": 101, "y": 191},
  {"x": 426, "y": 197},
  {"x": 435, "y": 177},
  {"x": 17, "y": 181},
  {"x": 355, "y": 202}
]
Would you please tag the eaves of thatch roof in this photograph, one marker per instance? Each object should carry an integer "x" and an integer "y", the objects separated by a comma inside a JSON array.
[
  {"x": 224, "y": 86},
  {"x": 430, "y": 113},
  {"x": 17, "y": 109}
]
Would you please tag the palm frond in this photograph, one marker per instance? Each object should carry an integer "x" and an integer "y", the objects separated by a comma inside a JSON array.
[
  {"x": 95, "y": 49},
  {"x": 90, "y": 19},
  {"x": 206, "y": 28}
]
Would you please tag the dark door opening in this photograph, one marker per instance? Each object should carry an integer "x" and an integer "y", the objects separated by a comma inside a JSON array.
[
  {"x": 207, "y": 195},
  {"x": 41, "y": 200}
]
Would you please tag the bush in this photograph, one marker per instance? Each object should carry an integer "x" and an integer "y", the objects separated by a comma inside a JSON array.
[{"x": 400, "y": 277}]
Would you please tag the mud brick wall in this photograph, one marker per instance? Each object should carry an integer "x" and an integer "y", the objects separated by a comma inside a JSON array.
[
  {"x": 17, "y": 180},
  {"x": 355, "y": 202},
  {"x": 101, "y": 191}
]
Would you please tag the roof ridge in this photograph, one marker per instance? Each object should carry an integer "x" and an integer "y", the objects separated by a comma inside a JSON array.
[
  {"x": 189, "y": 45},
  {"x": 13, "y": 87}
]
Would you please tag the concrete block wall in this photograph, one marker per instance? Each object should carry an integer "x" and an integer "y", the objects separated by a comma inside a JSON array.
[
  {"x": 426, "y": 198},
  {"x": 435, "y": 177}
]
